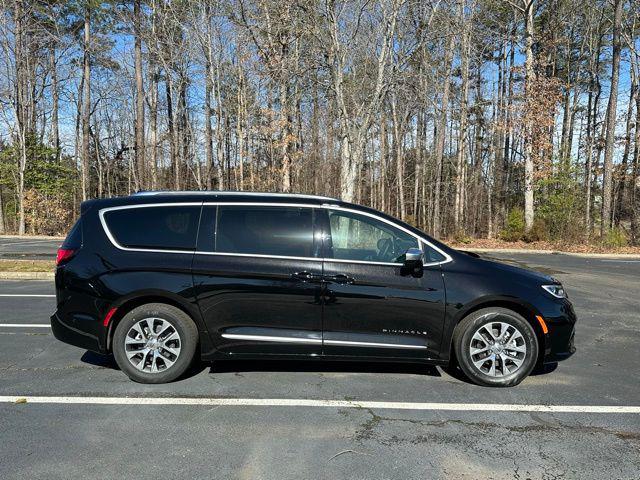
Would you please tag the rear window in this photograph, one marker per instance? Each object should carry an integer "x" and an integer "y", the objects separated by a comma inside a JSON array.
[
  {"x": 162, "y": 228},
  {"x": 282, "y": 231},
  {"x": 74, "y": 237}
]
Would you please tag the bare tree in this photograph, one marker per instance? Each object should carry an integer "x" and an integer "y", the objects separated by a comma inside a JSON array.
[
  {"x": 86, "y": 103},
  {"x": 140, "y": 160},
  {"x": 607, "y": 182}
]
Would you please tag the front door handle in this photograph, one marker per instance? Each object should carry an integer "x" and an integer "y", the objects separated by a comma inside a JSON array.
[
  {"x": 306, "y": 276},
  {"x": 339, "y": 278}
]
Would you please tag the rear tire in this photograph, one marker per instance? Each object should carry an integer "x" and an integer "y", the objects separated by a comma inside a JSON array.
[
  {"x": 495, "y": 347},
  {"x": 155, "y": 343}
]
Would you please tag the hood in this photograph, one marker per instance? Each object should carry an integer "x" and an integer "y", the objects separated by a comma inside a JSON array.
[{"x": 526, "y": 274}]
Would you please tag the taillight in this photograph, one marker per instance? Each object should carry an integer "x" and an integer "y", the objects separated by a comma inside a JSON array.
[{"x": 64, "y": 255}]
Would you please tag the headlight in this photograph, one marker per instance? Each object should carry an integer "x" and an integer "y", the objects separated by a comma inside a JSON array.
[{"x": 556, "y": 290}]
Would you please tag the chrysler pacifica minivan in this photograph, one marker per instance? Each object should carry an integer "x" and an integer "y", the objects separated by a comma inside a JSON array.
[{"x": 160, "y": 278}]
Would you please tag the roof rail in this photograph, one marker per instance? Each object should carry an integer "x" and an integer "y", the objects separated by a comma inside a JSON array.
[{"x": 230, "y": 192}]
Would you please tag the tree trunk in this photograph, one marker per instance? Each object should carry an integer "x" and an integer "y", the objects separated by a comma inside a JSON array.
[
  {"x": 607, "y": 180},
  {"x": 620, "y": 210},
  {"x": 440, "y": 134},
  {"x": 592, "y": 113},
  {"x": 462, "y": 132},
  {"x": 183, "y": 126},
  {"x": 2, "y": 225},
  {"x": 20, "y": 109},
  {"x": 153, "y": 126},
  {"x": 173, "y": 150},
  {"x": 219, "y": 132},
  {"x": 55, "y": 100},
  {"x": 240, "y": 132},
  {"x": 208, "y": 112},
  {"x": 86, "y": 104},
  {"x": 285, "y": 136},
  {"x": 635, "y": 176},
  {"x": 139, "y": 124},
  {"x": 528, "y": 145},
  {"x": 397, "y": 150}
]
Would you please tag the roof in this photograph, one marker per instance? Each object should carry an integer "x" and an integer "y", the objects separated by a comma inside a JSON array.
[{"x": 223, "y": 193}]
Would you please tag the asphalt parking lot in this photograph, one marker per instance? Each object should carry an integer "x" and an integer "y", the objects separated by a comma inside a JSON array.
[
  {"x": 31, "y": 248},
  {"x": 308, "y": 420}
]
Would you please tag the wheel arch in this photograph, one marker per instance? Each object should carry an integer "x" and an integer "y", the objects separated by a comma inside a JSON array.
[
  {"x": 131, "y": 301},
  {"x": 527, "y": 311}
]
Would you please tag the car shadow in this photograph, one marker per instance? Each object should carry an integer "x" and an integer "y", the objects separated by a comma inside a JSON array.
[
  {"x": 98, "y": 360},
  {"x": 544, "y": 369},
  {"x": 310, "y": 366},
  {"x": 322, "y": 366}
]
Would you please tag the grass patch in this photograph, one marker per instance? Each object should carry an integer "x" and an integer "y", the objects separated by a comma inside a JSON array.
[{"x": 27, "y": 265}]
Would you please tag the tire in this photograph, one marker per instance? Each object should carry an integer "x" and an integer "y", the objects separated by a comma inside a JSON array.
[
  {"x": 165, "y": 354},
  {"x": 510, "y": 365}
]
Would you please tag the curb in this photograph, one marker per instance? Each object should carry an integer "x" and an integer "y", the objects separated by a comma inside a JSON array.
[
  {"x": 629, "y": 256},
  {"x": 27, "y": 275}
]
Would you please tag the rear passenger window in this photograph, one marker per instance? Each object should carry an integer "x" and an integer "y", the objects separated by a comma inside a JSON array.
[
  {"x": 282, "y": 231},
  {"x": 162, "y": 228}
]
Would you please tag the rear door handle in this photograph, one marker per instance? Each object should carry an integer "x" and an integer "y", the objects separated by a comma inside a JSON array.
[
  {"x": 340, "y": 278},
  {"x": 306, "y": 276}
]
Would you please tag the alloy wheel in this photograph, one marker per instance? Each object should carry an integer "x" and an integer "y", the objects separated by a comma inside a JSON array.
[
  {"x": 152, "y": 345},
  {"x": 497, "y": 349}
]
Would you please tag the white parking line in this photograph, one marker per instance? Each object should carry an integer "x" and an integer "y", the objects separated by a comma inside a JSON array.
[
  {"x": 292, "y": 402},
  {"x": 622, "y": 261},
  {"x": 25, "y": 325},
  {"x": 26, "y": 295}
]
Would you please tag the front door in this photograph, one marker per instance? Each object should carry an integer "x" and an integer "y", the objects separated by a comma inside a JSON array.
[
  {"x": 370, "y": 307},
  {"x": 257, "y": 275}
]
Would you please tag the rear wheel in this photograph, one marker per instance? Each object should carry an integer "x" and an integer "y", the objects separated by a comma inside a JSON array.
[
  {"x": 155, "y": 343},
  {"x": 495, "y": 347}
]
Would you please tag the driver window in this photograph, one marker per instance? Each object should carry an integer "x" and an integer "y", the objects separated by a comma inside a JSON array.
[{"x": 357, "y": 237}]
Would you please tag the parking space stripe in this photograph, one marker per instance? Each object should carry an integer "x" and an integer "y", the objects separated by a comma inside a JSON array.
[
  {"x": 25, "y": 325},
  {"x": 26, "y": 295},
  {"x": 288, "y": 402},
  {"x": 622, "y": 261}
]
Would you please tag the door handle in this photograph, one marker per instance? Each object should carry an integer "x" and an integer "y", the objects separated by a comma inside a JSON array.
[
  {"x": 305, "y": 276},
  {"x": 339, "y": 278}
]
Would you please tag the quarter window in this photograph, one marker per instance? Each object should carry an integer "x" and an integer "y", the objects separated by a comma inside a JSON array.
[
  {"x": 281, "y": 231},
  {"x": 357, "y": 237},
  {"x": 163, "y": 228}
]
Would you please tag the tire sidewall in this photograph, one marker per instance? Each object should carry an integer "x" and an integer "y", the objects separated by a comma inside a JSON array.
[
  {"x": 179, "y": 320},
  {"x": 482, "y": 317}
]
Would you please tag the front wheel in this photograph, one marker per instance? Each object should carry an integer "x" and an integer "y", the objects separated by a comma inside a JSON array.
[
  {"x": 155, "y": 343},
  {"x": 495, "y": 347}
]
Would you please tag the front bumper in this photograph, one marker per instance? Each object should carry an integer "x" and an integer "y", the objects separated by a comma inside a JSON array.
[{"x": 560, "y": 340}]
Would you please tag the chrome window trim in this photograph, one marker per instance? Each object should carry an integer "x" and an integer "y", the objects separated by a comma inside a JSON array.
[
  {"x": 115, "y": 243},
  {"x": 422, "y": 241}
]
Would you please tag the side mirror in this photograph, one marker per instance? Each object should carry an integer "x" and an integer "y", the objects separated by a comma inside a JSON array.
[{"x": 413, "y": 262}]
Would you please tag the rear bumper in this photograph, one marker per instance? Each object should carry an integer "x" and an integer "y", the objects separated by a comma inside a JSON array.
[{"x": 79, "y": 333}]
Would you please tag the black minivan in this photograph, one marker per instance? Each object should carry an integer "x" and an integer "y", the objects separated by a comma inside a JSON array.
[{"x": 159, "y": 278}]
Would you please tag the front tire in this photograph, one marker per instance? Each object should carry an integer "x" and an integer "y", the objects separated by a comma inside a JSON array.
[
  {"x": 495, "y": 347},
  {"x": 155, "y": 343}
]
